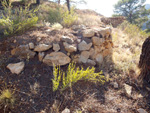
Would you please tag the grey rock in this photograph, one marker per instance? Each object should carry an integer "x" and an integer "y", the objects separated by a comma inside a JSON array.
[
  {"x": 16, "y": 67},
  {"x": 56, "y": 58},
  {"x": 84, "y": 56},
  {"x": 69, "y": 48},
  {"x": 83, "y": 46},
  {"x": 67, "y": 39},
  {"x": 88, "y": 33},
  {"x": 42, "y": 47},
  {"x": 56, "y": 47}
]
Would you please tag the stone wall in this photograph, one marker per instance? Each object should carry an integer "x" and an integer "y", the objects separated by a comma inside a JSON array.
[
  {"x": 114, "y": 21},
  {"x": 90, "y": 46}
]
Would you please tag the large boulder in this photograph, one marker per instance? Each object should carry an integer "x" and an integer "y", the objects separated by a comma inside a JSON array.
[
  {"x": 56, "y": 58},
  {"x": 42, "y": 47},
  {"x": 16, "y": 68},
  {"x": 70, "y": 48},
  {"x": 83, "y": 46},
  {"x": 23, "y": 51}
]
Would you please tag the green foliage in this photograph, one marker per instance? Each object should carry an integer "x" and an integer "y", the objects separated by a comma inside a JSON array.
[
  {"x": 133, "y": 30},
  {"x": 133, "y": 10},
  {"x": 7, "y": 98},
  {"x": 54, "y": 15},
  {"x": 69, "y": 18},
  {"x": 57, "y": 77},
  {"x": 73, "y": 75},
  {"x": 57, "y": 14},
  {"x": 17, "y": 20}
]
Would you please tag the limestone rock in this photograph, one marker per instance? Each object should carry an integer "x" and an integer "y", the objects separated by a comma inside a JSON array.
[
  {"x": 128, "y": 89},
  {"x": 38, "y": 39},
  {"x": 99, "y": 58},
  {"x": 105, "y": 32},
  {"x": 56, "y": 58},
  {"x": 78, "y": 27},
  {"x": 83, "y": 46},
  {"x": 67, "y": 39},
  {"x": 31, "y": 45},
  {"x": 141, "y": 110},
  {"x": 41, "y": 56},
  {"x": 84, "y": 56},
  {"x": 92, "y": 53},
  {"x": 16, "y": 67},
  {"x": 91, "y": 62},
  {"x": 97, "y": 41},
  {"x": 69, "y": 48},
  {"x": 115, "y": 85},
  {"x": 66, "y": 110},
  {"x": 42, "y": 47},
  {"x": 23, "y": 51},
  {"x": 88, "y": 33},
  {"x": 56, "y": 47}
]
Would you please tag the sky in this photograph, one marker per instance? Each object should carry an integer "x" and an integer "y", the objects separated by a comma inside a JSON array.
[{"x": 104, "y": 7}]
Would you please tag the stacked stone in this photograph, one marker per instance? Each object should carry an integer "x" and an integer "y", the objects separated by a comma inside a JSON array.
[{"x": 91, "y": 48}]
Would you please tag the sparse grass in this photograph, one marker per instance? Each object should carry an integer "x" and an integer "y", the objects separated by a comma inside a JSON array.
[
  {"x": 73, "y": 75},
  {"x": 88, "y": 20},
  {"x": 17, "y": 20},
  {"x": 7, "y": 99},
  {"x": 128, "y": 40}
]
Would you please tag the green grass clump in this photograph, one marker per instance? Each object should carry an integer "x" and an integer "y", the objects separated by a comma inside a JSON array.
[
  {"x": 17, "y": 20},
  {"x": 7, "y": 99},
  {"x": 73, "y": 75},
  {"x": 69, "y": 18}
]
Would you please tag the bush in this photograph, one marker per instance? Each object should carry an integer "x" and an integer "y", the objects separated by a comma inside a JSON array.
[
  {"x": 17, "y": 20},
  {"x": 69, "y": 18},
  {"x": 73, "y": 75},
  {"x": 54, "y": 15},
  {"x": 132, "y": 30},
  {"x": 7, "y": 99},
  {"x": 57, "y": 14}
]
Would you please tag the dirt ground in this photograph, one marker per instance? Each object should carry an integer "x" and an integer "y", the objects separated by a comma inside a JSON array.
[{"x": 33, "y": 87}]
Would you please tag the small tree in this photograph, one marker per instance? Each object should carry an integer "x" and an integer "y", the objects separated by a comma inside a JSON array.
[{"x": 133, "y": 10}]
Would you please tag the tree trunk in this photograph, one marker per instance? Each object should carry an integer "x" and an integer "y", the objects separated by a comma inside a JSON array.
[
  {"x": 38, "y": 2},
  {"x": 58, "y": 1},
  {"x": 144, "y": 63},
  {"x": 68, "y": 5}
]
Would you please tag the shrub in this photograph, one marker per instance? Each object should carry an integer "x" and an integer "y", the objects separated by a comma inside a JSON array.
[
  {"x": 73, "y": 75},
  {"x": 17, "y": 20},
  {"x": 54, "y": 15},
  {"x": 7, "y": 99},
  {"x": 132, "y": 30},
  {"x": 69, "y": 18}
]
